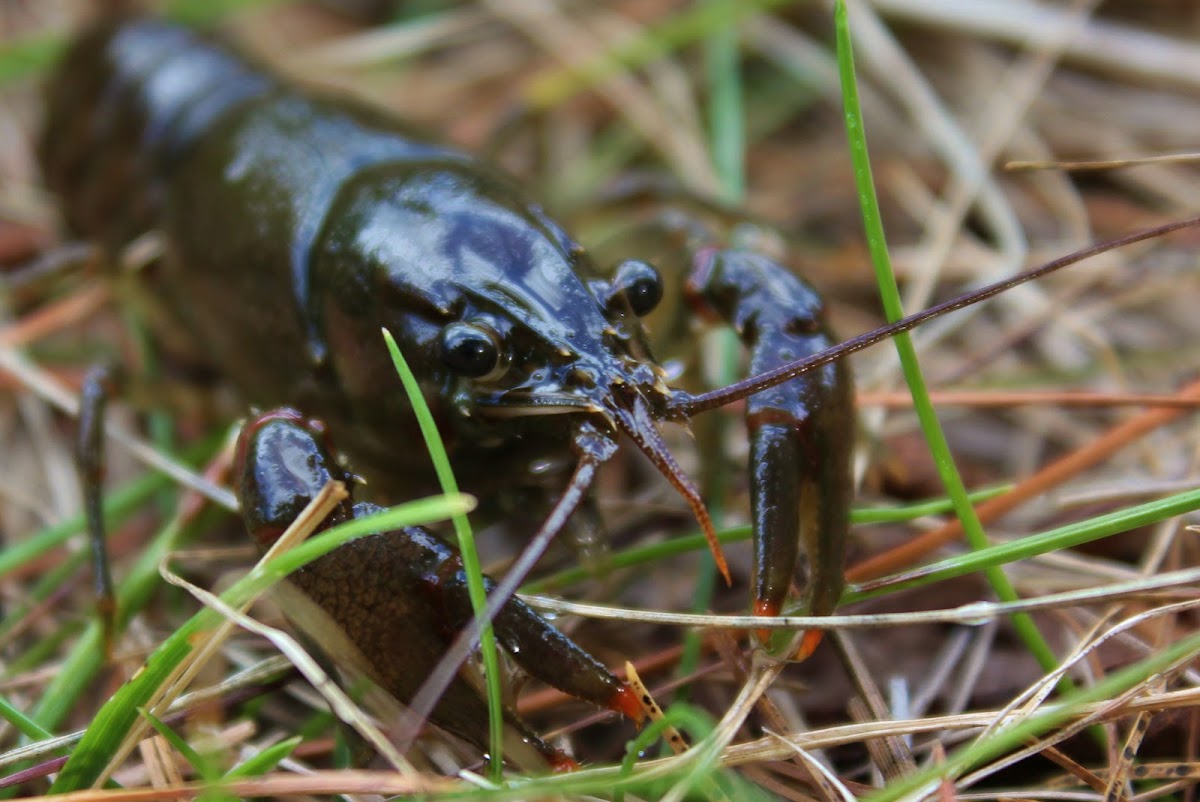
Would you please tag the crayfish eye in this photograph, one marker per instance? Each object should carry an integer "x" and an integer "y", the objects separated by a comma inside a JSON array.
[
  {"x": 471, "y": 350},
  {"x": 639, "y": 284}
]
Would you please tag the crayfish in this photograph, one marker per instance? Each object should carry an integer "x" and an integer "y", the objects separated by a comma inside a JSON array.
[
  {"x": 328, "y": 221},
  {"x": 335, "y": 222}
]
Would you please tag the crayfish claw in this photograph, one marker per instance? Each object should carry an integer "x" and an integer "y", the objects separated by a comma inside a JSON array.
[
  {"x": 388, "y": 605},
  {"x": 801, "y": 431},
  {"x": 546, "y": 653},
  {"x": 627, "y": 702}
]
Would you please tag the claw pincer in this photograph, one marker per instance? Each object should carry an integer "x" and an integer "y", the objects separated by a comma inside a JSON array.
[
  {"x": 801, "y": 431},
  {"x": 388, "y": 605}
]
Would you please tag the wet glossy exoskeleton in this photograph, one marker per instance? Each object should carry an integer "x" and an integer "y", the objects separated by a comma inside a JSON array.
[{"x": 295, "y": 227}]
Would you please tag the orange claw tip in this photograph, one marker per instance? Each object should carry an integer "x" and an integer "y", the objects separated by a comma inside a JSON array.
[
  {"x": 766, "y": 608},
  {"x": 769, "y": 609},
  {"x": 561, "y": 764},
  {"x": 808, "y": 644},
  {"x": 626, "y": 702}
]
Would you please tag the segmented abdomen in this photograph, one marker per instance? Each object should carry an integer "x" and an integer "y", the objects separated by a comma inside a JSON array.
[
  {"x": 152, "y": 127},
  {"x": 128, "y": 98}
]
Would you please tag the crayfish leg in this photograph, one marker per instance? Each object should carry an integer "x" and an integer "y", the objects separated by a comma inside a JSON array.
[
  {"x": 542, "y": 650},
  {"x": 801, "y": 431},
  {"x": 98, "y": 385}
]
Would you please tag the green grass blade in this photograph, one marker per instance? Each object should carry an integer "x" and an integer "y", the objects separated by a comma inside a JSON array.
[
  {"x": 118, "y": 505},
  {"x": 728, "y": 145},
  {"x": 682, "y": 717},
  {"x": 1064, "y": 537},
  {"x": 470, "y": 557},
  {"x": 209, "y": 12},
  {"x": 87, "y": 657},
  {"x": 648, "y": 45},
  {"x": 102, "y": 738},
  {"x": 28, "y": 57},
  {"x": 24, "y": 724},
  {"x": 726, "y": 113},
  {"x": 642, "y": 555},
  {"x": 264, "y": 761},
  {"x": 202, "y": 767},
  {"x": 890, "y": 295}
]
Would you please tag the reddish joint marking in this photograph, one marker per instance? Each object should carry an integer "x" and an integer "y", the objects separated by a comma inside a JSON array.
[
  {"x": 767, "y": 417},
  {"x": 767, "y": 609}
]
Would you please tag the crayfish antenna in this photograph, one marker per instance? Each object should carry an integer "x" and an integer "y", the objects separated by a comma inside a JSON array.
[
  {"x": 688, "y": 405},
  {"x": 636, "y": 422}
]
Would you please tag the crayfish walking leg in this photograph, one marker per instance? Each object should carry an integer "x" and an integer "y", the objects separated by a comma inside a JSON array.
[{"x": 89, "y": 462}]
